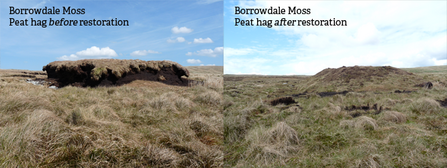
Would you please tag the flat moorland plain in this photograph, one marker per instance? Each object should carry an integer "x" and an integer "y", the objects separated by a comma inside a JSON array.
[
  {"x": 344, "y": 117},
  {"x": 139, "y": 124}
]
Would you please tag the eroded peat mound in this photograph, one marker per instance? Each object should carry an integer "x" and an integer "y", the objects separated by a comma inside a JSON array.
[
  {"x": 362, "y": 78},
  {"x": 114, "y": 72}
]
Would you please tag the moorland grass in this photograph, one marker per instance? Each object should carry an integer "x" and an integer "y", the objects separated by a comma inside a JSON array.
[
  {"x": 125, "y": 126},
  {"x": 409, "y": 131}
]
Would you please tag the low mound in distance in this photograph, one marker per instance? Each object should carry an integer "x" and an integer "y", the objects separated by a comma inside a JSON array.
[
  {"x": 359, "y": 72},
  {"x": 362, "y": 78},
  {"x": 112, "y": 72}
]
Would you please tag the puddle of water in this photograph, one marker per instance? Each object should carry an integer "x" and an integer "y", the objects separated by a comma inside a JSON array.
[{"x": 40, "y": 82}]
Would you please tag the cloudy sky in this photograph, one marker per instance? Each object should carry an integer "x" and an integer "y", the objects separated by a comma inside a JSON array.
[
  {"x": 400, "y": 34},
  {"x": 189, "y": 32}
]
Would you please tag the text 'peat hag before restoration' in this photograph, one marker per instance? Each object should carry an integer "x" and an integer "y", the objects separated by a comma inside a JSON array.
[{"x": 59, "y": 22}]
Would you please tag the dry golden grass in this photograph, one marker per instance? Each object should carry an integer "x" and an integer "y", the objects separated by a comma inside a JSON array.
[
  {"x": 205, "y": 69},
  {"x": 140, "y": 124},
  {"x": 425, "y": 106},
  {"x": 362, "y": 123},
  {"x": 366, "y": 123},
  {"x": 394, "y": 116},
  {"x": 272, "y": 145}
]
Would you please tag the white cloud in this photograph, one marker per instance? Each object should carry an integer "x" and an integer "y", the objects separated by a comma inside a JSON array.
[
  {"x": 377, "y": 34},
  {"x": 208, "y": 52},
  {"x": 193, "y": 61},
  {"x": 367, "y": 34},
  {"x": 207, "y": 1},
  {"x": 241, "y": 51},
  {"x": 208, "y": 65},
  {"x": 178, "y": 39},
  {"x": 91, "y": 53},
  {"x": 143, "y": 52},
  {"x": 236, "y": 65},
  {"x": 200, "y": 40},
  {"x": 311, "y": 61},
  {"x": 441, "y": 62},
  {"x": 177, "y": 30}
]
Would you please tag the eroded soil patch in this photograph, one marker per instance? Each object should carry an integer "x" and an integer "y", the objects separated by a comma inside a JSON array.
[
  {"x": 354, "y": 109},
  {"x": 325, "y": 94},
  {"x": 403, "y": 91},
  {"x": 113, "y": 72},
  {"x": 321, "y": 94},
  {"x": 282, "y": 100},
  {"x": 443, "y": 102}
]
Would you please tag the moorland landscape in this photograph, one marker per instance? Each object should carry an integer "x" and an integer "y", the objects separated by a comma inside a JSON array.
[
  {"x": 101, "y": 118},
  {"x": 359, "y": 116}
]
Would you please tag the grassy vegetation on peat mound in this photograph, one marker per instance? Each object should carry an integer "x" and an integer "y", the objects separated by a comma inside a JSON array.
[
  {"x": 361, "y": 78},
  {"x": 369, "y": 126},
  {"x": 106, "y": 72},
  {"x": 133, "y": 125}
]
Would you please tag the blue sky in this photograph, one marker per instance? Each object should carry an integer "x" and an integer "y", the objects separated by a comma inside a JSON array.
[
  {"x": 189, "y": 32},
  {"x": 396, "y": 33}
]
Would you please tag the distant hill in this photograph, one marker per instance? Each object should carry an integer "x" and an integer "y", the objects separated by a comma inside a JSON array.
[
  {"x": 362, "y": 78},
  {"x": 205, "y": 69},
  {"x": 429, "y": 69}
]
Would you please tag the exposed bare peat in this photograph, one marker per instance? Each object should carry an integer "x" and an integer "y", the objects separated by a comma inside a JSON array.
[
  {"x": 403, "y": 91},
  {"x": 114, "y": 72},
  {"x": 427, "y": 85},
  {"x": 282, "y": 100},
  {"x": 374, "y": 109},
  {"x": 443, "y": 102},
  {"x": 321, "y": 94}
]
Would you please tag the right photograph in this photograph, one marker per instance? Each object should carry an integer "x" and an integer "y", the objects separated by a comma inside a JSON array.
[{"x": 335, "y": 83}]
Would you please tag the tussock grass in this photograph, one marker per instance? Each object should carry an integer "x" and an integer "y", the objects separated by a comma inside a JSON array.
[
  {"x": 425, "y": 106},
  {"x": 125, "y": 126},
  {"x": 408, "y": 131},
  {"x": 371, "y": 161},
  {"x": 335, "y": 110},
  {"x": 208, "y": 80},
  {"x": 210, "y": 97},
  {"x": 272, "y": 145},
  {"x": 366, "y": 123},
  {"x": 394, "y": 116},
  {"x": 362, "y": 123},
  {"x": 294, "y": 109}
]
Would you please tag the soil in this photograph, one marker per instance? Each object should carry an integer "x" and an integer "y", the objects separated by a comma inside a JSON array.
[
  {"x": 427, "y": 85},
  {"x": 321, "y": 94},
  {"x": 282, "y": 100},
  {"x": 377, "y": 109},
  {"x": 443, "y": 102},
  {"x": 79, "y": 73},
  {"x": 403, "y": 91},
  {"x": 325, "y": 94}
]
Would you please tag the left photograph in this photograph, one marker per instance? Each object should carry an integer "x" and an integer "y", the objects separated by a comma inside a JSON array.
[{"x": 111, "y": 84}]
